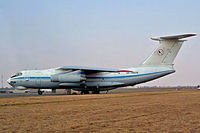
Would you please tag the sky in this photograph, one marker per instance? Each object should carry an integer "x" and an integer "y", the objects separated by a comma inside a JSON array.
[{"x": 41, "y": 34}]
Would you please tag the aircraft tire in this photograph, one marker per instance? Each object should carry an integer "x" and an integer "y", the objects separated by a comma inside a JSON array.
[
  {"x": 40, "y": 92},
  {"x": 85, "y": 92},
  {"x": 95, "y": 92}
]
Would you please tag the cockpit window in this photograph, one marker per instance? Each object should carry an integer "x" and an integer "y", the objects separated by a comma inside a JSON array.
[{"x": 17, "y": 74}]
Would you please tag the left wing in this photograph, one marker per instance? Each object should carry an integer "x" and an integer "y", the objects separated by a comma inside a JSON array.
[
  {"x": 92, "y": 69},
  {"x": 78, "y": 75}
]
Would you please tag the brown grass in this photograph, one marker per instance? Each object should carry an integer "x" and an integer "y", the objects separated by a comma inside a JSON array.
[{"x": 169, "y": 111}]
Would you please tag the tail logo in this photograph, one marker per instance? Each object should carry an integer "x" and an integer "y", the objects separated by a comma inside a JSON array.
[{"x": 160, "y": 52}]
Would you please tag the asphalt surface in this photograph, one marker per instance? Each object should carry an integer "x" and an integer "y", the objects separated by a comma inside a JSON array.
[{"x": 10, "y": 95}]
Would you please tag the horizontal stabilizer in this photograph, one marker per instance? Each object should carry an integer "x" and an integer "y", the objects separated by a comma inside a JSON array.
[{"x": 174, "y": 37}]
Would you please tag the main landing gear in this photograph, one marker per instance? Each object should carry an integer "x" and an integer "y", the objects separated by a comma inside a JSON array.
[
  {"x": 40, "y": 92},
  {"x": 95, "y": 92},
  {"x": 87, "y": 92}
]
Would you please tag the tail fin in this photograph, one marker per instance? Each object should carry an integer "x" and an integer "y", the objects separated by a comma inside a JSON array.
[{"x": 166, "y": 52}]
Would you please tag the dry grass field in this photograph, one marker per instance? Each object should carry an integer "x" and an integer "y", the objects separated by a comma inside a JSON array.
[{"x": 168, "y": 111}]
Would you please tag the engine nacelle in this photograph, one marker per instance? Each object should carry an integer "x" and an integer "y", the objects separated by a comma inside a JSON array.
[
  {"x": 70, "y": 77},
  {"x": 20, "y": 88}
]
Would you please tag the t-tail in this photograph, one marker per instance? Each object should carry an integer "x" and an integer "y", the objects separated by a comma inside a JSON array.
[{"x": 167, "y": 51}]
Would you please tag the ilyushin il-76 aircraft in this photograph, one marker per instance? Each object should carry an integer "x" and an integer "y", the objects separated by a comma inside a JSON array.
[{"x": 92, "y": 79}]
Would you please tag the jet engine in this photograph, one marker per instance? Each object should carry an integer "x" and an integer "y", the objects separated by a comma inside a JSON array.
[{"x": 69, "y": 77}]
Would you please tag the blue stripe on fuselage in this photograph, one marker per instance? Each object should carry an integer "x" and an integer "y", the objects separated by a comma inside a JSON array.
[{"x": 128, "y": 76}]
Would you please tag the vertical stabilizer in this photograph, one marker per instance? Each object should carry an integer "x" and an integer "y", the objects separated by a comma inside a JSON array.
[{"x": 167, "y": 51}]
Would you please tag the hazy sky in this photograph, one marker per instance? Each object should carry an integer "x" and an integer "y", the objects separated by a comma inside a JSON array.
[{"x": 40, "y": 34}]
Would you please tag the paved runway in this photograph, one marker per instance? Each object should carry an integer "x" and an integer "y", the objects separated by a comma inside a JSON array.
[
  {"x": 115, "y": 91},
  {"x": 9, "y": 95}
]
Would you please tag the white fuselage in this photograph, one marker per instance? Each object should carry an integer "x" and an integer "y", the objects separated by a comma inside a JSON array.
[{"x": 41, "y": 79}]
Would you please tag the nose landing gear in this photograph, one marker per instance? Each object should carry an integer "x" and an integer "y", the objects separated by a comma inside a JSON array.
[{"x": 40, "y": 92}]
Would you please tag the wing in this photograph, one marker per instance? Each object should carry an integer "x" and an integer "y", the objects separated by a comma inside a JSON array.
[
  {"x": 92, "y": 69},
  {"x": 70, "y": 79}
]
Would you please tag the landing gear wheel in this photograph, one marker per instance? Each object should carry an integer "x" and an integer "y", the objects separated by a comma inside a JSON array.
[
  {"x": 85, "y": 92},
  {"x": 40, "y": 92},
  {"x": 53, "y": 91},
  {"x": 95, "y": 92}
]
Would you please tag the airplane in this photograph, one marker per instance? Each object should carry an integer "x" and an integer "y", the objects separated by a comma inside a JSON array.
[{"x": 91, "y": 79}]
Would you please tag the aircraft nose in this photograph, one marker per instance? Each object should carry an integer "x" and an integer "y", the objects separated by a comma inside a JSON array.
[
  {"x": 8, "y": 81},
  {"x": 11, "y": 82}
]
